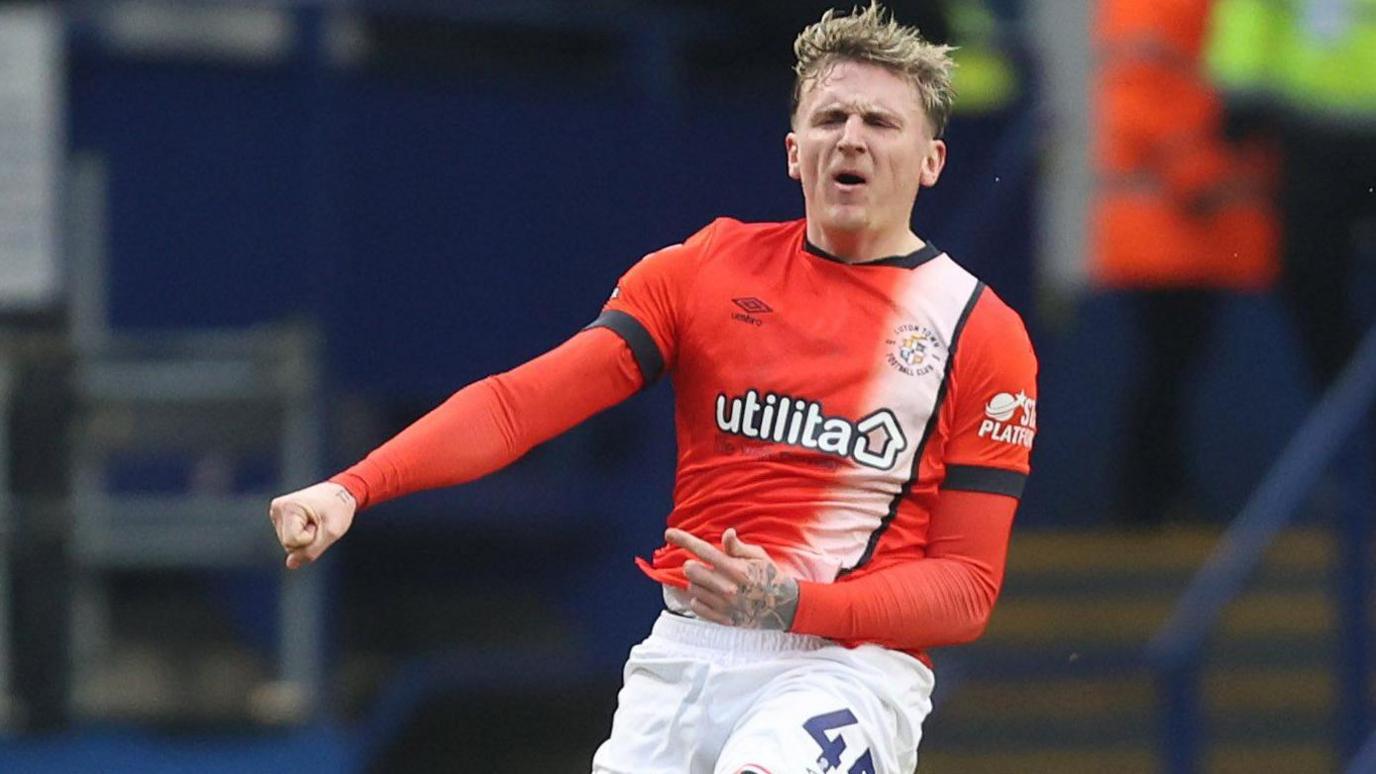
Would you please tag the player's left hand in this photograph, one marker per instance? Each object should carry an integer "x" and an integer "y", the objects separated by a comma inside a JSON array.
[{"x": 736, "y": 585}]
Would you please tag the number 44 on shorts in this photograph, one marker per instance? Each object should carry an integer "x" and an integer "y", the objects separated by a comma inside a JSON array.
[{"x": 832, "y": 746}]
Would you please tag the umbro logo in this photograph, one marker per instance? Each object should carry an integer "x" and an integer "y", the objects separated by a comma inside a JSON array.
[{"x": 751, "y": 306}]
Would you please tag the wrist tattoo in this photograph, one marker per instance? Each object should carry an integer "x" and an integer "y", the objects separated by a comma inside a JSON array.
[{"x": 767, "y": 599}]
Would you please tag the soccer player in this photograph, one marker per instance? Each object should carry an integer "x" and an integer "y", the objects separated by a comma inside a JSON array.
[{"x": 854, "y": 415}]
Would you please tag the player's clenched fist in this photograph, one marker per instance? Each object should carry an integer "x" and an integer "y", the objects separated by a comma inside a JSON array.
[{"x": 309, "y": 520}]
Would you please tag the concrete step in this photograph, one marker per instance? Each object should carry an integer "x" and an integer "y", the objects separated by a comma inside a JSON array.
[
  {"x": 1173, "y": 549},
  {"x": 1119, "y": 759},
  {"x": 1146, "y": 583},
  {"x": 1058, "y": 682},
  {"x": 1252, "y": 757},
  {"x": 1236, "y": 692},
  {"x": 1268, "y": 705},
  {"x": 1064, "y": 701},
  {"x": 1280, "y": 758},
  {"x": 1130, "y": 620},
  {"x": 1225, "y": 691}
]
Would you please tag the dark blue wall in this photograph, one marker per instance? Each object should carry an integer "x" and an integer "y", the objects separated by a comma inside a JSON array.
[{"x": 442, "y": 229}]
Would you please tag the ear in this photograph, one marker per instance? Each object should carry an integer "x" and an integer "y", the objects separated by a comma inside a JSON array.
[
  {"x": 933, "y": 163},
  {"x": 791, "y": 148}
]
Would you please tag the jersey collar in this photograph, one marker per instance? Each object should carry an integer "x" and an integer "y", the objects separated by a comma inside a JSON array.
[{"x": 912, "y": 260}]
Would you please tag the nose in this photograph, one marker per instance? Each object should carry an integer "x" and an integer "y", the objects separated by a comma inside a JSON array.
[{"x": 852, "y": 138}]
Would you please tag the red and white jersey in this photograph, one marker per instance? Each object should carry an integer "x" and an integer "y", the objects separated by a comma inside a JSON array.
[{"x": 821, "y": 407}]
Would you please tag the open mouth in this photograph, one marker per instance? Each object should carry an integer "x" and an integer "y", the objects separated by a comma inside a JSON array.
[{"x": 849, "y": 178}]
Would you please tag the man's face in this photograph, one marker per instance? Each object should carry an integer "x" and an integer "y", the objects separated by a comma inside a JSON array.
[{"x": 861, "y": 146}]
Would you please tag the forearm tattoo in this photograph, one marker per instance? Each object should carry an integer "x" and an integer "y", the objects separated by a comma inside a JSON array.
[{"x": 767, "y": 599}]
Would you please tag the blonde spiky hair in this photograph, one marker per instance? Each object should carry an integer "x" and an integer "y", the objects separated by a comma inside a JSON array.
[{"x": 874, "y": 37}]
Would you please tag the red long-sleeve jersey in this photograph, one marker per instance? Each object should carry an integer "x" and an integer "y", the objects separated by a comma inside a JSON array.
[{"x": 868, "y": 424}]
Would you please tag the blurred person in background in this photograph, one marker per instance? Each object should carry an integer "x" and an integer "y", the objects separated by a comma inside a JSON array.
[
  {"x": 1304, "y": 73},
  {"x": 1181, "y": 216},
  {"x": 855, "y": 414}
]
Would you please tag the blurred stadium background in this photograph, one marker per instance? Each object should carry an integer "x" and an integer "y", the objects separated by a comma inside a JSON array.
[{"x": 241, "y": 243}]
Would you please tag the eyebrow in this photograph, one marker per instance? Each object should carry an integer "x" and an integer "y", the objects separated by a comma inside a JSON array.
[{"x": 868, "y": 113}]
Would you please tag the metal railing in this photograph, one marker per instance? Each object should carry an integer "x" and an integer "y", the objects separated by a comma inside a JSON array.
[
  {"x": 1364, "y": 762},
  {"x": 1175, "y": 653}
]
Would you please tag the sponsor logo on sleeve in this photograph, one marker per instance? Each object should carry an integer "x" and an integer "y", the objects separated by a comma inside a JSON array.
[{"x": 999, "y": 416}]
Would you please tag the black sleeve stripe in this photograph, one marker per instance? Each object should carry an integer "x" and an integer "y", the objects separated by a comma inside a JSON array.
[
  {"x": 973, "y": 478},
  {"x": 642, "y": 345}
]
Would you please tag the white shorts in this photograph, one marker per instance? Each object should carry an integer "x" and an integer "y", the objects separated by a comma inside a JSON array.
[{"x": 700, "y": 698}]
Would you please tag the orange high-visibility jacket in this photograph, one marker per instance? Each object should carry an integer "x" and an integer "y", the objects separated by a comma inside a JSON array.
[{"x": 1176, "y": 205}]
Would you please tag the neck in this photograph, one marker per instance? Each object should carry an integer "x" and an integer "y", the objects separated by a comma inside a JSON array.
[{"x": 863, "y": 246}]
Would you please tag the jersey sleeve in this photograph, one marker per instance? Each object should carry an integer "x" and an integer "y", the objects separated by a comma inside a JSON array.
[
  {"x": 493, "y": 422},
  {"x": 942, "y": 599},
  {"x": 646, "y": 308},
  {"x": 992, "y": 411}
]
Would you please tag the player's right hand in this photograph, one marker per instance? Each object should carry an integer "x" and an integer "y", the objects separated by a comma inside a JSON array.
[{"x": 309, "y": 520}]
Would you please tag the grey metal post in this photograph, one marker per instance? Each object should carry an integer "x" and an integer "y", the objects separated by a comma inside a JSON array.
[
  {"x": 302, "y": 601},
  {"x": 6, "y": 548},
  {"x": 86, "y": 222},
  {"x": 85, "y": 242}
]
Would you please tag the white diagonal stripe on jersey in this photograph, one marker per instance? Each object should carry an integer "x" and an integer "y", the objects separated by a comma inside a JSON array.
[{"x": 928, "y": 306}]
